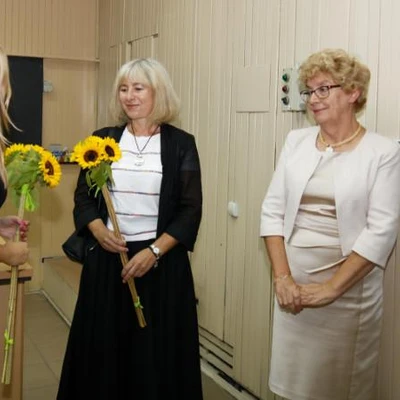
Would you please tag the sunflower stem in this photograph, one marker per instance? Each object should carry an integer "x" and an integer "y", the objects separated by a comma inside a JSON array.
[{"x": 123, "y": 256}]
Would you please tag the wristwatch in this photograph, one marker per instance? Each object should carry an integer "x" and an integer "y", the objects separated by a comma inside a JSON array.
[{"x": 156, "y": 251}]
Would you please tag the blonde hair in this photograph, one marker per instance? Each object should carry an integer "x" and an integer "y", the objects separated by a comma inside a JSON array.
[
  {"x": 152, "y": 73},
  {"x": 5, "y": 121},
  {"x": 345, "y": 70},
  {"x": 5, "y": 96}
]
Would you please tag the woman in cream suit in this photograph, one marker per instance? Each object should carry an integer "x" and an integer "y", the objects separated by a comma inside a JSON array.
[{"x": 330, "y": 220}]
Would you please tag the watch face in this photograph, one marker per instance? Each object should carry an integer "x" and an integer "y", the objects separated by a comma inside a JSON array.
[{"x": 156, "y": 250}]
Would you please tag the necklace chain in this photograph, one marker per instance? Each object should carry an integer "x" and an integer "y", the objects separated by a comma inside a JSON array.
[
  {"x": 330, "y": 147},
  {"x": 139, "y": 157}
]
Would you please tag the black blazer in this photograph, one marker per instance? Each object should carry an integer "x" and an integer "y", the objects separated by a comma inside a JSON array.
[{"x": 180, "y": 206}]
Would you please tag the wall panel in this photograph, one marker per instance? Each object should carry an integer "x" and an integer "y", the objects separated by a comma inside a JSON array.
[
  {"x": 49, "y": 28},
  {"x": 64, "y": 33},
  {"x": 369, "y": 30},
  {"x": 69, "y": 110},
  {"x": 140, "y": 18}
]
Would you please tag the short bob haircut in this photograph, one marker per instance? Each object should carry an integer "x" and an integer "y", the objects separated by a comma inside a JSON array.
[
  {"x": 344, "y": 69},
  {"x": 152, "y": 73}
]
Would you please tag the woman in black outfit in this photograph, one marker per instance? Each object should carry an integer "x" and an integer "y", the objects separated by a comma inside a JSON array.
[{"x": 158, "y": 200}]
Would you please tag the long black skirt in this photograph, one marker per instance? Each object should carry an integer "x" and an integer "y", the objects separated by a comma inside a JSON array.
[{"x": 109, "y": 356}]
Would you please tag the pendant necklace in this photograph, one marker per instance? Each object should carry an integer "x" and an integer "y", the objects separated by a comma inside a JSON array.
[
  {"x": 330, "y": 147},
  {"x": 139, "y": 160}
]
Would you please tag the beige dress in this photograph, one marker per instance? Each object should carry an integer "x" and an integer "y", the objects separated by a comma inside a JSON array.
[{"x": 327, "y": 353}]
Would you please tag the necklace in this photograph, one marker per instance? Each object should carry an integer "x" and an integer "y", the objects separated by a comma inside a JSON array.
[
  {"x": 329, "y": 147},
  {"x": 139, "y": 161}
]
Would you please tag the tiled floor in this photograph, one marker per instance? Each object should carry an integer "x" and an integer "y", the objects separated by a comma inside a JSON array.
[{"x": 45, "y": 339}]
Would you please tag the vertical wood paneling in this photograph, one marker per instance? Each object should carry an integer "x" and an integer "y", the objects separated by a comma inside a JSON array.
[
  {"x": 2, "y": 23},
  {"x": 69, "y": 115},
  {"x": 141, "y": 48},
  {"x": 201, "y": 42},
  {"x": 49, "y": 28},
  {"x": 179, "y": 52},
  {"x": 103, "y": 82},
  {"x": 140, "y": 18},
  {"x": 369, "y": 30},
  {"x": 56, "y": 212},
  {"x": 388, "y": 108},
  {"x": 253, "y": 138},
  {"x": 116, "y": 21},
  {"x": 69, "y": 110},
  {"x": 364, "y": 42}
]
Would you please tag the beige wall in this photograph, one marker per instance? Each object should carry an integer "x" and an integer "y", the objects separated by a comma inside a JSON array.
[
  {"x": 49, "y": 28},
  {"x": 64, "y": 34},
  {"x": 225, "y": 58},
  {"x": 367, "y": 29}
]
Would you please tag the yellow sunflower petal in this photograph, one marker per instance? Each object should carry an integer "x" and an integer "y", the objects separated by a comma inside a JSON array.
[
  {"x": 39, "y": 149},
  {"x": 87, "y": 153},
  {"x": 50, "y": 169},
  {"x": 16, "y": 147},
  {"x": 111, "y": 150}
]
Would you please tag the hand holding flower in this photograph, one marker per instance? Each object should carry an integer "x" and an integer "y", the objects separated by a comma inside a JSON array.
[
  {"x": 9, "y": 226},
  {"x": 107, "y": 238}
]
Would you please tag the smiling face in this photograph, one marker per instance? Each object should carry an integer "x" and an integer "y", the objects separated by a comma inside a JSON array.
[
  {"x": 137, "y": 99},
  {"x": 334, "y": 107}
]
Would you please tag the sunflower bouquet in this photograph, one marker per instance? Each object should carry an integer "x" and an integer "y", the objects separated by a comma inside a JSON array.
[
  {"x": 28, "y": 166},
  {"x": 95, "y": 155}
]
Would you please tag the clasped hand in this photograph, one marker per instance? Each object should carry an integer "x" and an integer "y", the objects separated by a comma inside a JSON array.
[{"x": 293, "y": 297}]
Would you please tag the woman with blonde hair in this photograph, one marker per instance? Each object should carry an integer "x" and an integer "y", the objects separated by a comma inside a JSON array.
[
  {"x": 11, "y": 253},
  {"x": 329, "y": 221},
  {"x": 158, "y": 200}
]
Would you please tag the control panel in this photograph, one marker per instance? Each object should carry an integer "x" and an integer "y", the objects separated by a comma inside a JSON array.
[{"x": 290, "y": 91}]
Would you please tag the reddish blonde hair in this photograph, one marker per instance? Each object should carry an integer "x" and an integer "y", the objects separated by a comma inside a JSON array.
[{"x": 344, "y": 69}]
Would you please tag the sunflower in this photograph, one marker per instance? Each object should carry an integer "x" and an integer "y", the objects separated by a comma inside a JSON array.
[
  {"x": 50, "y": 169},
  {"x": 15, "y": 148},
  {"x": 111, "y": 150},
  {"x": 88, "y": 152},
  {"x": 39, "y": 149}
]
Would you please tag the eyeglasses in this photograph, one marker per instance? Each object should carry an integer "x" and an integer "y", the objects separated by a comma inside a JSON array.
[{"x": 321, "y": 92}]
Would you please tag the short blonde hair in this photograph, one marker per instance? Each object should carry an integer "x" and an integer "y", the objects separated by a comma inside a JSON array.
[
  {"x": 5, "y": 96},
  {"x": 152, "y": 73},
  {"x": 344, "y": 69}
]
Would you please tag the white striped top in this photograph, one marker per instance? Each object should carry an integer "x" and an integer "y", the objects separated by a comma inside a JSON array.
[{"x": 136, "y": 190}]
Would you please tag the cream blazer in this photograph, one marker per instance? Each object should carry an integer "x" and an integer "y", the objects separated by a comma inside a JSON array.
[{"x": 366, "y": 186}]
